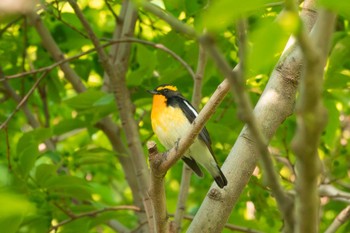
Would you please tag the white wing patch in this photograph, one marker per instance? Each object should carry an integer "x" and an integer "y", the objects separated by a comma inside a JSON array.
[{"x": 191, "y": 108}]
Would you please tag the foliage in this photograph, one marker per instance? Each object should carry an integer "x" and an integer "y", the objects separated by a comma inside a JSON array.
[{"x": 55, "y": 164}]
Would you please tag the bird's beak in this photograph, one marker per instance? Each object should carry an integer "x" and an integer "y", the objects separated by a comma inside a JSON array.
[{"x": 153, "y": 92}]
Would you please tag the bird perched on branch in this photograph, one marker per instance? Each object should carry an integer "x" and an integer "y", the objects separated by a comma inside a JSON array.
[{"x": 172, "y": 116}]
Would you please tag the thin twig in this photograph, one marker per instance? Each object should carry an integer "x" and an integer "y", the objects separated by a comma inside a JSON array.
[
  {"x": 24, "y": 100},
  {"x": 9, "y": 25},
  {"x": 111, "y": 42},
  {"x": 8, "y": 153},
  {"x": 93, "y": 213},
  {"x": 174, "y": 22},
  {"x": 111, "y": 10}
]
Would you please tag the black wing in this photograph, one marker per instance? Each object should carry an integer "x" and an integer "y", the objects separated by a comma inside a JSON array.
[
  {"x": 193, "y": 165},
  {"x": 191, "y": 114}
]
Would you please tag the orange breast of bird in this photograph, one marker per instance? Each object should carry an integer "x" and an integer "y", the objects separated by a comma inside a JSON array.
[{"x": 168, "y": 122}]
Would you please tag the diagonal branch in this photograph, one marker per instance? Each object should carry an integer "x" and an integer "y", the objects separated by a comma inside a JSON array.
[
  {"x": 341, "y": 218},
  {"x": 161, "y": 163},
  {"x": 274, "y": 106},
  {"x": 175, "y": 153}
]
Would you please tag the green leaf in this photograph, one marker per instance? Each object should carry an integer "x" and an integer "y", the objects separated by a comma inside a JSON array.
[
  {"x": 35, "y": 136},
  {"x": 104, "y": 100},
  {"x": 337, "y": 74},
  {"x": 27, "y": 159},
  {"x": 194, "y": 6},
  {"x": 44, "y": 172},
  {"x": 340, "y": 6},
  {"x": 13, "y": 208},
  {"x": 27, "y": 148},
  {"x": 83, "y": 68},
  {"x": 93, "y": 156},
  {"x": 69, "y": 186},
  {"x": 146, "y": 58},
  {"x": 267, "y": 44},
  {"x": 85, "y": 100},
  {"x": 94, "y": 103},
  {"x": 68, "y": 125},
  {"x": 223, "y": 13},
  {"x": 174, "y": 6},
  {"x": 80, "y": 225}
]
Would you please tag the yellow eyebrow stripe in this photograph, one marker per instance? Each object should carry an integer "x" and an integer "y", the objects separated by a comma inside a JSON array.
[{"x": 169, "y": 87}]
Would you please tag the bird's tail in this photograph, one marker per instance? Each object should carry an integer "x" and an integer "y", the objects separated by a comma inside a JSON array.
[
  {"x": 220, "y": 178},
  {"x": 216, "y": 173}
]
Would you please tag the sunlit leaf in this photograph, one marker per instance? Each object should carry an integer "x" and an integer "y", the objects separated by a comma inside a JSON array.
[
  {"x": 13, "y": 209},
  {"x": 340, "y": 6},
  {"x": 224, "y": 13},
  {"x": 267, "y": 44}
]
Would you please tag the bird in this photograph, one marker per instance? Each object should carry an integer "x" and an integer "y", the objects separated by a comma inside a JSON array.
[{"x": 171, "y": 117}]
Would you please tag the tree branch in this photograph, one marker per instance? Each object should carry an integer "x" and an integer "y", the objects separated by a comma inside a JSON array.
[
  {"x": 21, "y": 103},
  {"x": 106, "y": 124},
  {"x": 93, "y": 213},
  {"x": 175, "y": 153},
  {"x": 116, "y": 76},
  {"x": 122, "y": 97},
  {"x": 51, "y": 46},
  {"x": 186, "y": 171},
  {"x": 174, "y": 22},
  {"x": 230, "y": 226},
  {"x": 330, "y": 191},
  {"x": 274, "y": 106},
  {"x": 161, "y": 163},
  {"x": 341, "y": 218},
  {"x": 157, "y": 189},
  {"x": 110, "y": 43},
  {"x": 311, "y": 119}
]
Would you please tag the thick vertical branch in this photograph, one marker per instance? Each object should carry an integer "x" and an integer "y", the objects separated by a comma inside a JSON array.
[
  {"x": 157, "y": 189},
  {"x": 186, "y": 171},
  {"x": 109, "y": 128},
  {"x": 116, "y": 74},
  {"x": 311, "y": 119}
]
